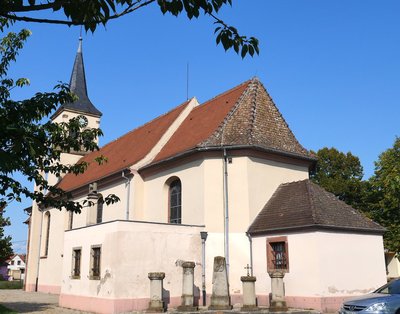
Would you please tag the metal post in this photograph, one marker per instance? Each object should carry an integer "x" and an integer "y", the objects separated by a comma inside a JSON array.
[
  {"x": 226, "y": 211},
  {"x": 203, "y": 235}
]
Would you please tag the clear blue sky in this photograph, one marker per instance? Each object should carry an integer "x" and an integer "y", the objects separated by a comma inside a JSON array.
[{"x": 332, "y": 68}]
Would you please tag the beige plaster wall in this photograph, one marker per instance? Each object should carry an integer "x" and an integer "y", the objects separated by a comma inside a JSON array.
[
  {"x": 155, "y": 194},
  {"x": 392, "y": 265},
  {"x": 264, "y": 177},
  {"x": 325, "y": 264},
  {"x": 130, "y": 250}
]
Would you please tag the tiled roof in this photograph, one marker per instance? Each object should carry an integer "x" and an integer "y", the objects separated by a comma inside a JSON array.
[
  {"x": 242, "y": 116},
  {"x": 303, "y": 204},
  {"x": 202, "y": 122},
  {"x": 124, "y": 151}
]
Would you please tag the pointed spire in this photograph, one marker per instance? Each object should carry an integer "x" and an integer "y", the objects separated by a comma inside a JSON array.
[{"x": 78, "y": 86}]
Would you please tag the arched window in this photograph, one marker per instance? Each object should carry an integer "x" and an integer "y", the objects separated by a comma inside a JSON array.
[
  {"x": 46, "y": 243},
  {"x": 99, "y": 214},
  {"x": 175, "y": 202}
]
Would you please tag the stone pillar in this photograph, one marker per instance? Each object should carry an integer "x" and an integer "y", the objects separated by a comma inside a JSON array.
[
  {"x": 278, "y": 303},
  {"x": 249, "y": 293},
  {"x": 91, "y": 210},
  {"x": 187, "y": 288},
  {"x": 156, "y": 303},
  {"x": 220, "y": 299}
]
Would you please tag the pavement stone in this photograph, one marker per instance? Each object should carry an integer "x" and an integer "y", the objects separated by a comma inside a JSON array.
[
  {"x": 33, "y": 302},
  {"x": 39, "y": 303}
]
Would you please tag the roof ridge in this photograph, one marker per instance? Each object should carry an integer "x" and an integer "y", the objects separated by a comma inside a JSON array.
[
  {"x": 231, "y": 112},
  {"x": 148, "y": 122},
  {"x": 225, "y": 92},
  {"x": 281, "y": 116},
  {"x": 255, "y": 87}
]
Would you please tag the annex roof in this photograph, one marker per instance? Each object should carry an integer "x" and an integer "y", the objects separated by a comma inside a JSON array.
[{"x": 304, "y": 204}]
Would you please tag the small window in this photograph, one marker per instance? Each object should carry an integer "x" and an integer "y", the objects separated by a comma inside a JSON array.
[
  {"x": 277, "y": 254},
  {"x": 99, "y": 214},
  {"x": 95, "y": 262},
  {"x": 12, "y": 262},
  {"x": 76, "y": 263},
  {"x": 18, "y": 262},
  {"x": 175, "y": 202}
]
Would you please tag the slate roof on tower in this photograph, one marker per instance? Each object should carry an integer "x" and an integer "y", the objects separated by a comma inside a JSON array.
[
  {"x": 304, "y": 205},
  {"x": 78, "y": 86},
  {"x": 244, "y": 116}
]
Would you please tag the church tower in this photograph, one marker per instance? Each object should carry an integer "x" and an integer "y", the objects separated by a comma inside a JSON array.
[{"x": 89, "y": 115}]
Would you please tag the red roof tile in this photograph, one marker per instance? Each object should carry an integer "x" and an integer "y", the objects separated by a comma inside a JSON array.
[
  {"x": 124, "y": 151},
  {"x": 201, "y": 123}
]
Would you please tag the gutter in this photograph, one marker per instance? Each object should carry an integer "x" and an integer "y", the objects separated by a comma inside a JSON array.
[
  {"x": 231, "y": 147},
  {"x": 317, "y": 228}
]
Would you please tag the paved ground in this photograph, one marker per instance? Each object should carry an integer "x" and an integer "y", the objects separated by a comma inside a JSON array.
[
  {"x": 32, "y": 302},
  {"x": 39, "y": 303}
]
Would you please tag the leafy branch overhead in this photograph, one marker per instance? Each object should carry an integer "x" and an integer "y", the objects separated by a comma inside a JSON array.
[
  {"x": 91, "y": 13},
  {"x": 33, "y": 147}
]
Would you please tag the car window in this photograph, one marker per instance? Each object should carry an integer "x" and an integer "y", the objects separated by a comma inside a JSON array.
[{"x": 392, "y": 287}]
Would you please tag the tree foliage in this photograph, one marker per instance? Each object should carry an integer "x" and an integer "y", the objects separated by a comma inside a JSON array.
[
  {"x": 340, "y": 174},
  {"x": 383, "y": 195},
  {"x": 91, "y": 13},
  {"x": 5, "y": 242},
  {"x": 31, "y": 145}
]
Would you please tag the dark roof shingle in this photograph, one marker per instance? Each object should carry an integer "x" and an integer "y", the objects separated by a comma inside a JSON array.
[{"x": 304, "y": 204}]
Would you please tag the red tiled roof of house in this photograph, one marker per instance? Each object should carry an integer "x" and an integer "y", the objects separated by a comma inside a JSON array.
[
  {"x": 242, "y": 116},
  {"x": 202, "y": 122},
  {"x": 304, "y": 204},
  {"x": 124, "y": 151}
]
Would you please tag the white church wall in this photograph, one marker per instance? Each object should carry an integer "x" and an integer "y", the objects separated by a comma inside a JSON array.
[
  {"x": 264, "y": 177},
  {"x": 352, "y": 264},
  {"x": 129, "y": 251},
  {"x": 324, "y": 267},
  {"x": 155, "y": 204},
  {"x": 50, "y": 264}
]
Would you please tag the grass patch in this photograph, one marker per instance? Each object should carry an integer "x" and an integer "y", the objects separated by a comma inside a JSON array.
[
  {"x": 4, "y": 310},
  {"x": 11, "y": 285}
]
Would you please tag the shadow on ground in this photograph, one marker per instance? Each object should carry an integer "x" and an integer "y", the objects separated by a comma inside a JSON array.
[{"x": 27, "y": 307}]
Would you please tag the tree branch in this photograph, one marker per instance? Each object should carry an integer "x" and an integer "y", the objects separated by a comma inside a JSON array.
[{"x": 131, "y": 8}]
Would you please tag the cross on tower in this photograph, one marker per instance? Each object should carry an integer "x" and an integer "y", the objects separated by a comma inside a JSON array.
[{"x": 248, "y": 268}]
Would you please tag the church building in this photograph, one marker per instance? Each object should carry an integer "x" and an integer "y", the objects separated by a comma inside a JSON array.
[{"x": 226, "y": 177}]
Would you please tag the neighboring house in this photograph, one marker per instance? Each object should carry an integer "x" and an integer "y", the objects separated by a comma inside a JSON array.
[
  {"x": 4, "y": 271},
  {"x": 16, "y": 267},
  {"x": 392, "y": 265},
  {"x": 231, "y": 167}
]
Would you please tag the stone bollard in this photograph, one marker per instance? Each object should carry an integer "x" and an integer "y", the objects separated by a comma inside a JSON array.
[
  {"x": 278, "y": 303},
  {"x": 187, "y": 288},
  {"x": 220, "y": 299},
  {"x": 249, "y": 293},
  {"x": 156, "y": 303}
]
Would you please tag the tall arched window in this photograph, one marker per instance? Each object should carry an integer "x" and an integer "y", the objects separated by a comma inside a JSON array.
[
  {"x": 175, "y": 202},
  {"x": 46, "y": 243}
]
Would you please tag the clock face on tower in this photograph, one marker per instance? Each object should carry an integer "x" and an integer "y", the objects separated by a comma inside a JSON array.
[{"x": 83, "y": 121}]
